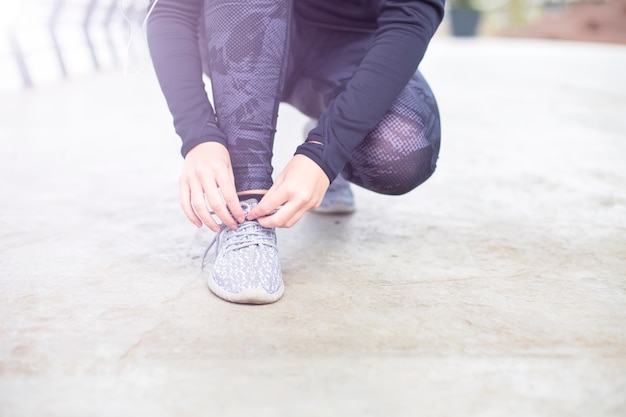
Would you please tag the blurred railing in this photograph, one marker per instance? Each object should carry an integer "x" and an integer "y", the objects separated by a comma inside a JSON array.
[{"x": 46, "y": 40}]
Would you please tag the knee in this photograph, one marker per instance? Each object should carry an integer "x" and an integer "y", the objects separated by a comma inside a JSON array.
[
  {"x": 399, "y": 154},
  {"x": 408, "y": 174},
  {"x": 396, "y": 176}
]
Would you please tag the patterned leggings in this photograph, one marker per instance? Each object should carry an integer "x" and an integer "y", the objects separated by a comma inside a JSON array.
[{"x": 260, "y": 53}]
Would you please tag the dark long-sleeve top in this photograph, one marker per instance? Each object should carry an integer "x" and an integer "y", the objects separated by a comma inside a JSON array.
[{"x": 402, "y": 30}]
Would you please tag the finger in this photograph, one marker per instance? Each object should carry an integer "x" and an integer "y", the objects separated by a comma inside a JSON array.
[
  {"x": 272, "y": 200},
  {"x": 209, "y": 188},
  {"x": 185, "y": 202},
  {"x": 229, "y": 194},
  {"x": 234, "y": 207},
  {"x": 286, "y": 217},
  {"x": 219, "y": 209},
  {"x": 201, "y": 209}
]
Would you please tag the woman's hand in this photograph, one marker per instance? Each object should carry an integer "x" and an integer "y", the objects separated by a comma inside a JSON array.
[
  {"x": 207, "y": 172},
  {"x": 299, "y": 188}
]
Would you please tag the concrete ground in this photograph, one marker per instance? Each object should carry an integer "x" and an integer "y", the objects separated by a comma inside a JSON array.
[{"x": 498, "y": 288}]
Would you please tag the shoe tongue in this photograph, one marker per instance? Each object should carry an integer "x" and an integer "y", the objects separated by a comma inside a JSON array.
[{"x": 248, "y": 204}]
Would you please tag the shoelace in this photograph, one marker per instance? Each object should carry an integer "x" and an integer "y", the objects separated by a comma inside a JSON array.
[{"x": 247, "y": 234}]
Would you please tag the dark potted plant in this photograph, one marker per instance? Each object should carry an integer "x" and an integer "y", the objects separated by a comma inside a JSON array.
[{"x": 464, "y": 17}]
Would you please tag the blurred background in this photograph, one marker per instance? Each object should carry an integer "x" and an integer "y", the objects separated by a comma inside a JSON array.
[
  {"x": 46, "y": 41},
  {"x": 498, "y": 288}
]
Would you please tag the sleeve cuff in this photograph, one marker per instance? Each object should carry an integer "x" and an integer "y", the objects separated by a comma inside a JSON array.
[
  {"x": 315, "y": 151},
  {"x": 210, "y": 133}
]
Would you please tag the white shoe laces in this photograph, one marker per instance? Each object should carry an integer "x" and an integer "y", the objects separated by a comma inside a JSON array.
[{"x": 247, "y": 234}]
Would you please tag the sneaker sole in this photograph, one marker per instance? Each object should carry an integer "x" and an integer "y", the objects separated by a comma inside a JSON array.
[
  {"x": 248, "y": 296},
  {"x": 335, "y": 209}
]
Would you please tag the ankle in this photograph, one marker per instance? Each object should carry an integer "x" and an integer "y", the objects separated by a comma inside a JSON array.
[{"x": 248, "y": 194}]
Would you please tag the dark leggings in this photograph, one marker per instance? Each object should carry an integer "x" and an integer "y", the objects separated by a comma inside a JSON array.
[{"x": 259, "y": 54}]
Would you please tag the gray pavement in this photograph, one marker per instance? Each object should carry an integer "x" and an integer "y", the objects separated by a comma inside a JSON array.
[{"x": 497, "y": 288}]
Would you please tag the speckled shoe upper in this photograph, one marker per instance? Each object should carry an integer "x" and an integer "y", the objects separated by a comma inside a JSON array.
[{"x": 246, "y": 267}]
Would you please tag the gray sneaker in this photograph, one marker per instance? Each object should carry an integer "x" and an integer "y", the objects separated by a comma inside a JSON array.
[
  {"x": 338, "y": 198},
  {"x": 246, "y": 268}
]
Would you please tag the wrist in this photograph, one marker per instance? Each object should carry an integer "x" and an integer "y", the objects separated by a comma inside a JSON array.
[
  {"x": 210, "y": 133},
  {"x": 315, "y": 151}
]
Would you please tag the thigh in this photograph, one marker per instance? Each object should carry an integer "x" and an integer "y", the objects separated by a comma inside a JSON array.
[{"x": 322, "y": 61}]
